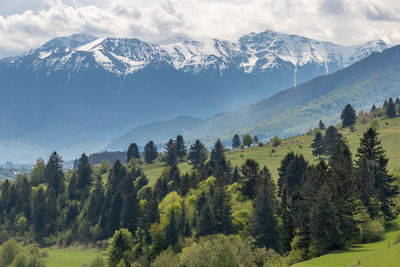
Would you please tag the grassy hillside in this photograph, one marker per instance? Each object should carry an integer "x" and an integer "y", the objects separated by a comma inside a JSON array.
[
  {"x": 389, "y": 134},
  {"x": 381, "y": 253},
  {"x": 70, "y": 257},
  {"x": 366, "y": 82}
]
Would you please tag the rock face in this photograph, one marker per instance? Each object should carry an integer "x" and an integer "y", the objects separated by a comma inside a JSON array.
[{"x": 80, "y": 89}]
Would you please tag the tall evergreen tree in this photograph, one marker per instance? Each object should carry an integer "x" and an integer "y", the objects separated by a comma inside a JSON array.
[
  {"x": 171, "y": 152},
  {"x": 172, "y": 231},
  {"x": 197, "y": 154},
  {"x": 373, "y": 108},
  {"x": 150, "y": 152},
  {"x": 264, "y": 225},
  {"x": 84, "y": 176},
  {"x": 236, "y": 141},
  {"x": 96, "y": 201},
  {"x": 371, "y": 152},
  {"x": 39, "y": 214},
  {"x": 324, "y": 222},
  {"x": 390, "y": 109},
  {"x": 249, "y": 180},
  {"x": 130, "y": 212},
  {"x": 181, "y": 150},
  {"x": 348, "y": 116},
  {"x": 54, "y": 174},
  {"x": 222, "y": 209},
  {"x": 344, "y": 188},
  {"x": 133, "y": 152},
  {"x": 218, "y": 153},
  {"x": 73, "y": 187},
  {"x": 332, "y": 136},
  {"x": 318, "y": 145},
  {"x": 206, "y": 222},
  {"x": 291, "y": 176},
  {"x": 321, "y": 125}
]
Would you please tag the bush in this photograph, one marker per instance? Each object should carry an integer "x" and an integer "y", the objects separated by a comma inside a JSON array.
[
  {"x": 9, "y": 251},
  {"x": 276, "y": 141},
  {"x": 217, "y": 250},
  {"x": 97, "y": 262},
  {"x": 166, "y": 259},
  {"x": 372, "y": 231},
  {"x": 260, "y": 144},
  {"x": 397, "y": 240}
]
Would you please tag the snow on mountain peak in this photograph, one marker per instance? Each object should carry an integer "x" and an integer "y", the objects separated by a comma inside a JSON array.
[{"x": 252, "y": 52}]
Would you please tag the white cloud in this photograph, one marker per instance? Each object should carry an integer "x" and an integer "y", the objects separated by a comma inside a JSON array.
[{"x": 339, "y": 21}]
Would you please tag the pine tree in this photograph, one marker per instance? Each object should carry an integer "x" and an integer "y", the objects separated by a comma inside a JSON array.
[
  {"x": 39, "y": 215},
  {"x": 348, "y": 116},
  {"x": 96, "y": 201},
  {"x": 180, "y": 147},
  {"x": 84, "y": 176},
  {"x": 133, "y": 152},
  {"x": 54, "y": 174},
  {"x": 324, "y": 222},
  {"x": 222, "y": 209},
  {"x": 236, "y": 141},
  {"x": 150, "y": 152},
  {"x": 171, "y": 152},
  {"x": 332, "y": 136},
  {"x": 198, "y": 154},
  {"x": 129, "y": 214},
  {"x": 373, "y": 108},
  {"x": 264, "y": 225},
  {"x": 72, "y": 187},
  {"x": 371, "y": 151},
  {"x": 344, "y": 188},
  {"x": 390, "y": 109},
  {"x": 321, "y": 125},
  {"x": 217, "y": 153},
  {"x": 318, "y": 145},
  {"x": 397, "y": 102},
  {"x": 291, "y": 176},
  {"x": 385, "y": 104},
  {"x": 206, "y": 222},
  {"x": 172, "y": 231},
  {"x": 250, "y": 178}
]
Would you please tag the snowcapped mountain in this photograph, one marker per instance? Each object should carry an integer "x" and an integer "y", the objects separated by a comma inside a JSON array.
[
  {"x": 102, "y": 87},
  {"x": 252, "y": 53}
]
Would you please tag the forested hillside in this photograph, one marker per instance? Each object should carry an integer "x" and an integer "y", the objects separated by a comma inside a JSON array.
[{"x": 227, "y": 208}]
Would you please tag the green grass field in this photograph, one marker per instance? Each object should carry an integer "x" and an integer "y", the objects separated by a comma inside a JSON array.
[
  {"x": 382, "y": 253},
  {"x": 70, "y": 257},
  {"x": 389, "y": 134}
]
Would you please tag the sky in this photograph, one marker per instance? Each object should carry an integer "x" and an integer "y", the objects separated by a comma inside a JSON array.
[{"x": 26, "y": 24}]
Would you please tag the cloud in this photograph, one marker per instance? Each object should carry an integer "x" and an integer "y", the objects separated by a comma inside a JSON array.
[{"x": 339, "y": 21}]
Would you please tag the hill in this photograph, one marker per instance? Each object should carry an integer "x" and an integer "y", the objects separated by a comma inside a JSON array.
[{"x": 293, "y": 111}]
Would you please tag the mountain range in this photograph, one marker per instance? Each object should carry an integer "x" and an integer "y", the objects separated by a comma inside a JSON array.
[
  {"x": 293, "y": 111},
  {"x": 77, "y": 93}
]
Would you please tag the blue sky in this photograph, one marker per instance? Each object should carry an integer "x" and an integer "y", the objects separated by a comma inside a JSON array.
[{"x": 26, "y": 24}]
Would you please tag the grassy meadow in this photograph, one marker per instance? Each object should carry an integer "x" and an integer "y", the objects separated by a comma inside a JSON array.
[{"x": 271, "y": 157}]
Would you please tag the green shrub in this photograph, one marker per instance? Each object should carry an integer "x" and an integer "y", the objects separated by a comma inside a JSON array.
[
  {"x": 9, "y": 251},
  {"x": 97, "y": 262},
  {"x": 276, "y": 141},
  {"x": 372, "y": 231},
  {"x": 167, "y": 258}
]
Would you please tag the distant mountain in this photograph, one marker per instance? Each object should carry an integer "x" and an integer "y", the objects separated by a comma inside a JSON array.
[
  {"x": 77, "y": 93},
  {"x": 293, "y": 111}
]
